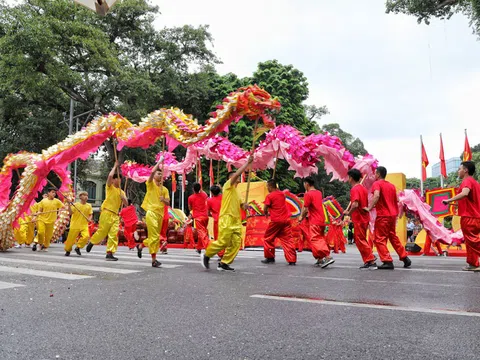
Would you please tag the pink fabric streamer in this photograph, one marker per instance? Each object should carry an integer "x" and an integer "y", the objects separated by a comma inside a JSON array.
[{"x": 435, "y": 229}]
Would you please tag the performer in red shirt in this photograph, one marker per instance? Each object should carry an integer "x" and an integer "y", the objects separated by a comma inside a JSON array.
[
  {"x": 197, "y": 204},
  {"x": 280, "y": 226},
  {"x": 469, "y": 210},
  {"x": 360, "y": 219},
  {"x": 214, "y": 204},
  {"x": 313, "y": 206},
  {"x": 386, "y": 202}
]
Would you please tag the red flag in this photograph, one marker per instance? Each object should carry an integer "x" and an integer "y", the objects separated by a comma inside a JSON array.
[
  {"x": 424, "y": 163},
  {"x": 443, "y": 166},
  {"x": 211, "y": 174},
  {"x": 174, "y": 182},
  {"x": 467, "y": 152},
  {"x": 200, "y": 172}
]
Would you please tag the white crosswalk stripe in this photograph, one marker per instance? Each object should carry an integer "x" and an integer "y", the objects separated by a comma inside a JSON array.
[
  {"x": 5, "y": 285},
  {"x": 42, "y": 273}
]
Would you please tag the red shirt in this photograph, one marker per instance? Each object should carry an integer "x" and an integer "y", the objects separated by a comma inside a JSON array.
[
  {"x": 277, "y": 206},
  {"x": 359, "y": 194},
  {"x": 214, "y": 205},
  {"x": 313, "y": 200},
  {"x": 470, "y": 206},
  {"x": 198, "y": 204},
  {"x": 387, "y": 204},
  {"x": 129, "y": 215}
]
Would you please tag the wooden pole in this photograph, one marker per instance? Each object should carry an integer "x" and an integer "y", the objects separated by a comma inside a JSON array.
[
  {"x": 218, "y": 172},
  {"x": 163, "y": 162},
  {"x": 276, "y": 161},
  {"x": 250, "y": 165}
]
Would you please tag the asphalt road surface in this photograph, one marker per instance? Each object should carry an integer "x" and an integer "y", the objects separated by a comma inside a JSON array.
[{"x": 54, "y": 307}]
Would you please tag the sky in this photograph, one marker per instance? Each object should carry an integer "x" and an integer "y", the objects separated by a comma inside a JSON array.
[{"x": 384, "y": 78}]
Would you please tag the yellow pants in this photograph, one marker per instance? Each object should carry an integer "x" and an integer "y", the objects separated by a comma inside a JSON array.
[
  {"x": 30, "y": 233},
  {"x": 154, "y": 228},
  {"x": 229, "y": 238},
  {"x": 107, "y": 226},
  {"x": 73, "y": 235},
  {"x": 45, "y": 233},
  {"x": 21, "y": 234}
]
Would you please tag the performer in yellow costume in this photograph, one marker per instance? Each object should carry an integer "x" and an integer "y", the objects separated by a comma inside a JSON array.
[
  {"x": 154, "y": 204},
  {"x": 109, "y": 218},
  {"x": 79, "y": 224},
  {"x": 229, "y": 223},
  {"x": 25, "y": 232},
  {"x": 47, "y": 214}
]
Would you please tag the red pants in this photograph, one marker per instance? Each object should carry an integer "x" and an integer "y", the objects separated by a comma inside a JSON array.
[
  {"x": 384, "y": 231},
  {"x": 335, "y": 237},
  {"x": 188, "y": 239},
  {"x": 281, "y": 230},
  {"x": 363, "y": 245},
  {"x": 428, "y": 246},
  {"x": 201, "y": 225},
  {"x": 304, "y": 234},
  {"x": 471, "y": 234},
  {"x": 163, "y": 234},
  {"x": 318, "y": 243},
  {"x": 128, "y": 233}
]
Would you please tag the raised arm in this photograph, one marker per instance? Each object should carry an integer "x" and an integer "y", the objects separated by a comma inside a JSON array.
[
  {"x": 240, "y": 170},
  {"x": 110, "y": 175},
  {"x": 154, "y": 170}
]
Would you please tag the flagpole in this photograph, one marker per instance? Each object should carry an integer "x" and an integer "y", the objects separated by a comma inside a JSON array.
[
  {"x": 442, "y": 185},
  {"x": 421, "y": 165}
]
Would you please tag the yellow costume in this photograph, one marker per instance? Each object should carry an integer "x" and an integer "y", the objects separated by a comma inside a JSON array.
[
  {"x": 154, "y": 217},
  {"x": 229, "y": 226},
  {"x": 109, "y": 219},
  {"x": 31, "y": 225},
  {"x": 79, "y": 226},
  {"x": 46, "y": 221},
  {"x": 20, "y": 233}
]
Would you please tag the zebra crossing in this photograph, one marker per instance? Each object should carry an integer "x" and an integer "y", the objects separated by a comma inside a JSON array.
[{"x": 22, "y": 264}]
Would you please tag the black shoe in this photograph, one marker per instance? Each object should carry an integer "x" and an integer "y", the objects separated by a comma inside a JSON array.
[
  {"x": 323, "y": 263},
  {"x": 407, "y": 262},
  {"x": 369, "y": 266},
  {"x": 67, "y": 253},
  {"x": 34, "y": 247},
  {"x": 388, "y": 265},
  {"x": 110, "y": 257},
  {"x": 77, "y": 250},
  {"x": 268, "y": 261},
  {"x": 205, "y": 261},
  {"x": 224, "y": 267},
  {"x": 139, "y": 251},
  {"x": 199, "y": 251},
  {"x": 156, "y": 264},
  {"x": 292, "y": 263},
  {"x": 89, "y": 247}
]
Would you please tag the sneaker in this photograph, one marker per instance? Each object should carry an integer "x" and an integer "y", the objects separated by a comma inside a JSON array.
[
  {"x": 388, "y": 265},
  {"x": 292, "y": 264},
  {"x": 139, "y": 251},
  {"x": 43, "y": 248},
  {"x": 164, "y": 252},
  {"x": 369, "y": 266},
  {"x": 110, "y": 257},
  {"x": 27, "y": 246},
  {"x": 268, "y": 261},
  {"x": 77, "y": 250},
  {"x": 199, "y": 251},
  {"x": 67, "y": 253},
  {"x": 407, "y": 262},
  {"x": 34, "y": 247},
  {"x": 156, "y": 264},
  {"x": 471, "y": 268},
  {"x": 326, "y": 261},
  {"x": 224, "y": 267},
  {"x": 89, "y": 247},
  {"x": 206, "y": 261}
]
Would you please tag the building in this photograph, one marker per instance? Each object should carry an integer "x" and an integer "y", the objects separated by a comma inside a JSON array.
[
  {"x": 452, "y": 166},
  {"x": 95, "y": 183}
]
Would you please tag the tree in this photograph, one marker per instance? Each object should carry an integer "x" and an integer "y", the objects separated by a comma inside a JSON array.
[{"x": 424, "y": 10}]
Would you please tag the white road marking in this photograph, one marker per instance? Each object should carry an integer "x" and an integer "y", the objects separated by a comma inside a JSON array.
[
  {"x": 41, "y": 273},
  {"x": 5, "y": 285},
  {"x": 89, "y": 259},
  {"x": 403, "y": 269},
  {"x": 70, "y": 266},
  {"x": 370, "y": 306}
]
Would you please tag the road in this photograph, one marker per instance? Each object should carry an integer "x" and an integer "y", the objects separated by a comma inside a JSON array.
[{"x": 57, "y": 307}]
